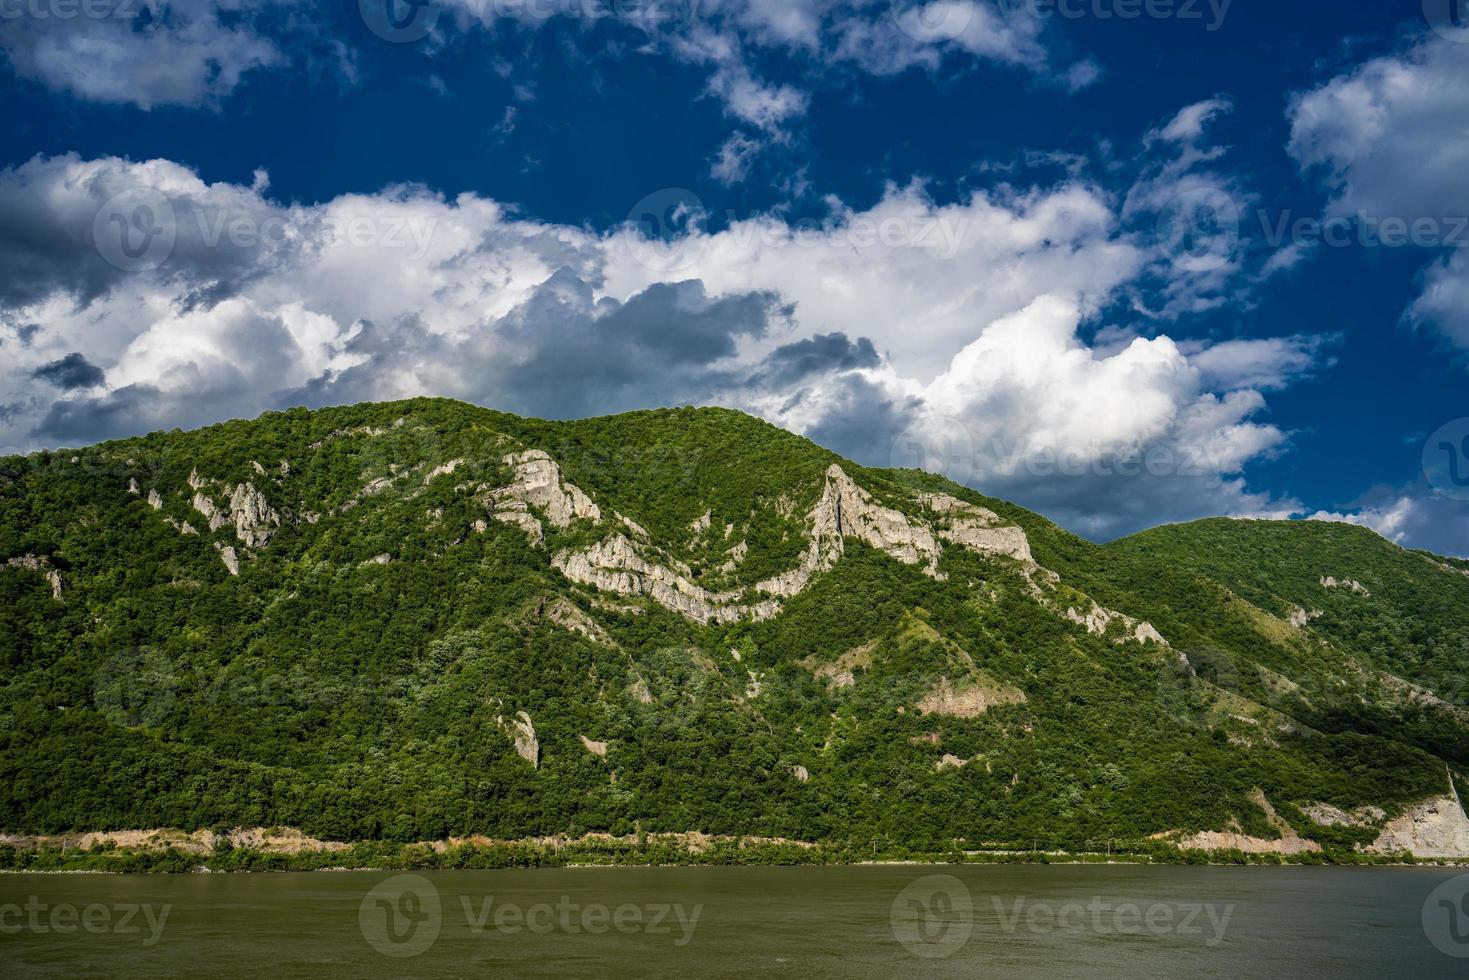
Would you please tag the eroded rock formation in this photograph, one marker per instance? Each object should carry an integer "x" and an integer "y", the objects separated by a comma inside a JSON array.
[{"x": 37, "y": 563}]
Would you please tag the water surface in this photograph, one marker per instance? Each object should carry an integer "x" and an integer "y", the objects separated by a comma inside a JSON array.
[{"x": 1023, "y": 922}]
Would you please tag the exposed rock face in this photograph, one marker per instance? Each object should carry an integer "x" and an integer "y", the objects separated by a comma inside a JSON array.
[
  {"x": 538, "y": 484},
  {"x": 1435, "y": 828},
  {"x": 1290, "y": 842},
  {"x": 801, "y": 773},
  {"x": 842, "y": 671},
  {"x": 1097, "y": 619},
  {"x": 978, "y": 528},
  {"x": 527, "y": 746},
  {"x": 618, "y": 564},
  {"x": 1331, "y": 582},
  {"x": 565, "y": 615},
  {"x": 132, "y": 486},
  {"x": 846, "y": 510},
  {"x": 951, "y": 762},
  {"x": 850, "y": 512},
  {"x": 230, "y": 559},
  {"x": 212, "y": 514},
  {"x": 967, "y": 699},
  {"x": 734, "y": 557},
  {"x": 1329, "y": 816},
  {"x": 443, "y": 470},
  {"x": 598, "y": 749},
  {"x": 36, "y": 563},
  {"x": 1300, "y": 618},
  {"x": 614, "y": 565},
  {"x": 255, "y": 521},
  {"x": 155, "y": 501}
]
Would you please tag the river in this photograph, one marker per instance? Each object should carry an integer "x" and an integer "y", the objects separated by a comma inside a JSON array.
[{"x": 880, "y": 922}]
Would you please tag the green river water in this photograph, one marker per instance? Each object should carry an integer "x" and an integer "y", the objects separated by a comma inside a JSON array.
[{"x": 889, "y": 921}]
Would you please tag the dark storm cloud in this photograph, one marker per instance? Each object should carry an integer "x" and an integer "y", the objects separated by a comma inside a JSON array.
[
  {"x": 817, "y": 355},
  {"x": 72, "y": 371},
  {"x": 565, "y": 354}
]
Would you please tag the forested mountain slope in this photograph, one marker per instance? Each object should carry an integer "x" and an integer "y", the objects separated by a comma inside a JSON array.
[{"x": 425, "y": 620}]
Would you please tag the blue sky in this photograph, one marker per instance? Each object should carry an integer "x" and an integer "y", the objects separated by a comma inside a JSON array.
[{"x": 1073, "y": 257}]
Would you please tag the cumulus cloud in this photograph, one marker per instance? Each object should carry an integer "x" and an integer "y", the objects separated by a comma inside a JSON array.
[
  {"x": 1027, "y": 411},
  {"x": 1196, "y": 210},
  {"x": 72, "y": 371},
  {"x": 1412, "y": 516},
  {"x": 813, "y": 41},
  {"x": 141, "y": 52},
  {"x": 912, "y": 332},
  {"x": 1388, "y": 141}
]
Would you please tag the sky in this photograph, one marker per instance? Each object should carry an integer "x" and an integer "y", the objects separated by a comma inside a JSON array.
[{"x": 1124, "y": 262}]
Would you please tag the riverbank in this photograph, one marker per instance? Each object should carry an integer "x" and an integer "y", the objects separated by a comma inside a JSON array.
[{"x": 277, "y": 850}]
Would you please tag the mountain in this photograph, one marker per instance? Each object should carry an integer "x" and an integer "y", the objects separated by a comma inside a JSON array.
[{"x": 426, "y": 621}]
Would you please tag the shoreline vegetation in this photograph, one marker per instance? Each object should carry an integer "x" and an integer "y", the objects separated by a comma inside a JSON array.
[{"x": 281, "y": 850}]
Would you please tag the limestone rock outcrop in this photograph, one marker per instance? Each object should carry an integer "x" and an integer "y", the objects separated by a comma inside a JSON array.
[
  {"x": 1300, "y": 618},
  {"x": 1097, "y": 620},
  {"x": 215, "y": 517},
  {"x": 36, "y": 563},
  {"x": 1357, "y": 588},
  {"x": 1289, "y": 842},
  {"x": 538, "y": 483},
  {"x": 967, "y": 699},
  {"x": 230, "y": 559},
  {"x": 1330, "y": 816},
  {"x": 977, "y": 528},
  {"x": 523, "y": 732},
  {"x": 614, "y": 565},
  {"x": 255, "y": 522},
  {"x": 1435, "y": 828}
]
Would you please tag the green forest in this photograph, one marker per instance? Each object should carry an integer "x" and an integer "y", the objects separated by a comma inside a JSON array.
[{"x": 359, "y": 677}]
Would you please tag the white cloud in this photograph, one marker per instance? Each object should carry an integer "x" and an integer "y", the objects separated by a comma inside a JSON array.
[
  {"x": 1389, "y": 141},
  {"x": 920, "y": 279},
  {"x": 1189, "y": 125},
  {"x": 954, "y": 323},
  {"x": 182, "y": 52},
  {"x": 1412, "y": 516}
]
